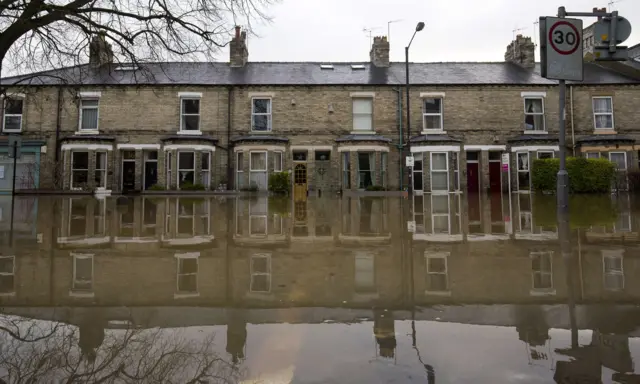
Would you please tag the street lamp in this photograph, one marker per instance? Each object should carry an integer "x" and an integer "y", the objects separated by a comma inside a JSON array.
[{"x": 419, "y": 27}]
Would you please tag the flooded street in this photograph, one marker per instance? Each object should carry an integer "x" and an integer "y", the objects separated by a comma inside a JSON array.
[{"x": 431, "y": 289}]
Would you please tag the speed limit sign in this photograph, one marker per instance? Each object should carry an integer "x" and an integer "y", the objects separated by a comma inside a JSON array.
[{"x": 561, "y": 48}]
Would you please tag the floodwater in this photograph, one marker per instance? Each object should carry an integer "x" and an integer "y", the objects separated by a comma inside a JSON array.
[{"x": 430, "y": 289}]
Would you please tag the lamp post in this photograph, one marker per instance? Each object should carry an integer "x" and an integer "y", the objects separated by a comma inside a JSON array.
[{"x": 419, "y": 27}]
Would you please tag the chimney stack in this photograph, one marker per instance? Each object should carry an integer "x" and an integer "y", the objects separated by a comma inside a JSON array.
[
  {"x": 238, "y": 52},
  {"x": 521, "y": 51},
  {"x": 379, "y": 53},
  {"x": 100, "y": 52}
]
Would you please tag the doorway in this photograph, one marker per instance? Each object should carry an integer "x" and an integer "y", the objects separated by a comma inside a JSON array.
[
  {"x": 150, "y": 169},
  {"x": 418, "y": 184},
  {"x": 473, "y": 173},
  {"x": 300, "y": 182},
  {"x": 128, "y": 171},
  {"x": 495, "y": 172}
]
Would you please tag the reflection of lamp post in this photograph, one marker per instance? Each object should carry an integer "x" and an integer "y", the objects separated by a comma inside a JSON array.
[{"x": 419, "y": 27}]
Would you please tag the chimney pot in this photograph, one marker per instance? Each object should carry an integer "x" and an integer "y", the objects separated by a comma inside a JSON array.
[{"x": 237, "y": 31}]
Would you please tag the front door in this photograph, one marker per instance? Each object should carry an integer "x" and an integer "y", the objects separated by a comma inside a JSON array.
[
  {"x": 473, "y": 179},
  {"x": 128, "y": 176},
  {"x": 150, "y": 174},
  {"x": 300, "y": 182},
  {"x": 495, "y": 169}
]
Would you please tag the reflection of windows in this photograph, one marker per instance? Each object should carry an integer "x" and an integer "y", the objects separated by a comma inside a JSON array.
[
  {"x": 203, "y": 211},
  {"x": 623, "y": 223},
  {"x": 239, "y": 170},
  {"x": 440, "y": 217},
  {"x": 7, "y": 274},
  {"x": 82, "y": 272},
  {"x": 168, "y": 166},
  {"x": 365, "y": 272},
  {"x": 523, "y": 171},
  {"x": 456, "y": 170},
  {"x": 127, "y": 220},
  {"x": 205, "y": 169},
  {"x": 366, "y": 166},
  {"x": 258, "y": 216},
  {"x": 346, "y": 170},
  {"x": 101, "y": 169},
  {"x": 187, "y": 273},
  {"x": 526, "y": 216},
  {"x": 149, "y": 211},
  {"x": 418, "y": 213},
  {"x": 383, "y": 168},
  {"x": 185, "y": 219},
  {"x": 371, "y": 216},
  {"x": 613, "y": 269},
  {"x": 261, "y": 273},
  {"x": 541, "y": 270},
  {"x": 78, "y": 217},
  {"x": 100, "y": 218},
  {"x": 437, "y": 272}
]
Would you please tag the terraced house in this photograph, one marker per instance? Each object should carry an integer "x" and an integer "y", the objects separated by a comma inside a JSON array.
[{"x": 335, "y": 126}]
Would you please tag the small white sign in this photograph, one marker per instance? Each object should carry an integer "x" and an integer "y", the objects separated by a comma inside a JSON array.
[
  {"x": 409, "y": 161},
  {"x": 505, "y": 159},
  {"x": 411, "y": 226}
]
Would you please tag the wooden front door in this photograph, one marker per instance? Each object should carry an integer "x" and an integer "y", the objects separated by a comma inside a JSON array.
[
  {"x": 473, "y": 177},
  {"x": 495, "y": 171},
  {"x": 300, "y": 182}
]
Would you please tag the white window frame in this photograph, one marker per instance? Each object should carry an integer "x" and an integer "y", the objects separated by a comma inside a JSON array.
[
  {"x": 534, "y": 114},
  {"x": 437, "y": 255},
  {"x": 12, "y": 273},
  {"x": 81, "y": 112},
  {"x": 253, "y": 273},
  {"x": 239, "y": 168},
  {"x": 178, "y": 167},
  {"x": 518, "y": 170},
  {"x": 5, "y": 114},
  {"x": 204, "y": 212},
  {"x": 553, "y": 154},
  {"x": 266, "y": 165},
  {"x": 447, "y": 214},
  {"x": 624, "y": 154},
  {"x": 353, "y": 114},
  {"x": 431, "y": 170},
  {"x": 264, "y": 216},
  {"x": 183, "y": 131},
  {"x": 168, "y": 157},
  {"x": 424, "y": 115},
  {"x": 192, "y": 216},
  {"x": 102, "y": 170},
  {"x": 527, "y": 215},
  {"x": 123, "y": 160},
  {"x": 101, "y": 216},
  {"x": 616, "y": 255},
  {"x": 205, "y": 175},
  {"x": 597, "y": 155},
  {"x": 613, "y": 124},
  {"x": 384, "y": 164},
  {"x": 277, "y": 161},
  {"x": 76, "y": 291},
  {"x": 542, "y": 291},
  {"x": 187, "y": 256},
  {"x": 79, "y": 169},
  {"x": 269, "y": 113}
]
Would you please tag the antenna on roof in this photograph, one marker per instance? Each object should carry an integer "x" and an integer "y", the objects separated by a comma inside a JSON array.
[
  {"x": 369, "y": 32},
  {"x": 610, "y": 4},
  {"x": 535, "y": 35}
]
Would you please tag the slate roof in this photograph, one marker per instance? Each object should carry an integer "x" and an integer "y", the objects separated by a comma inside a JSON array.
[
  {"x": 434, "y": 139},
  {"x": 259, "y": 138},
  {"x": 605, "y": 139},
  {"x": 310, "y": 73},
  {"x": 360, "y": 137}
]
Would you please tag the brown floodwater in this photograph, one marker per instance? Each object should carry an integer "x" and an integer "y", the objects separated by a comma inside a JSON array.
[{"x": 430, "y": 289}]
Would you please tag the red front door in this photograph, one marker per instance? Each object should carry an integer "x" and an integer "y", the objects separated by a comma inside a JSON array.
[
  {"x": 494, "y": 176},
  {"x": 473, "y": 179}
]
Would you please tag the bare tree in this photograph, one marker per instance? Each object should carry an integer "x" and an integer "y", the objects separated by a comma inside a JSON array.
[
  {"x": 43, "y": 34},
  {"x": 38, "y": 351}
]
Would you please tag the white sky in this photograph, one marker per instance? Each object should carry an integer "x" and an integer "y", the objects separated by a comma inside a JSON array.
[{"x": 456, "y": 30}]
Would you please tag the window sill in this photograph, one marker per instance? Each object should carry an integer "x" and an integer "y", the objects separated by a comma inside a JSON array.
[
  {"x": 87, "y": 132},
  {"x": 604, "y": 131},
  {"x": 81, "y": 294},
  {"x": 12, "y": 130},
  {"x": 542, "y": 292},
  {"x": 185, "y": 295},
  {"x": 269, "y": 132},
  {"x": 190, "y": 133},
  {"x": 363, "y": 132},
  {"x": 433, "y": 132},
  {"x": 437, "y": 293},
  {"x": 529, "y": 132}
]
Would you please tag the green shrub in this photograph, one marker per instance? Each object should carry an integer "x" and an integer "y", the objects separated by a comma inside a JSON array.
[
  {"x": 584, "y": 210},
  {"x": 156, "y": 187},
  {"x": 192, "y": 187},
  {"x": 585, "y": 175},
  {"x": 280, "y": 182},
  {"x": 375, "y": 188}
]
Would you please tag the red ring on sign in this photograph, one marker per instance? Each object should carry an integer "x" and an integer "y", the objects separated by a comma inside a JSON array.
[{"x": 578, "y": 37}]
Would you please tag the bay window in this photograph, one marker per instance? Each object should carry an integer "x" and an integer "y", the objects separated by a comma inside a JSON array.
[
  {"x": 186, "y": 168},
  {"x": 205, "y": 168},
  {"x": 439, "y": 171},
  {"x": 79, "y": 169},
  {"x": 258, "y": 170},
  {"x": 366, "y": 167}
]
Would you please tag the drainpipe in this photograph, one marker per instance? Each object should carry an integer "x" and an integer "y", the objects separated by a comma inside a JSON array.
[
  {"x": 229, "y": 149},
  {"x": 573, "y": 137},
  {"x": 56, "y": 145},
  {"x": 400, "y": 144}
]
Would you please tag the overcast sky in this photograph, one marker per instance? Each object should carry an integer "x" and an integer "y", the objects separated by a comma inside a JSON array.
[{"x": 456, "y": 30}]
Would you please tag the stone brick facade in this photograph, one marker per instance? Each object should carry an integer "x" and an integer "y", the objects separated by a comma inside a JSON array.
[{"x": 316, "y": 118}]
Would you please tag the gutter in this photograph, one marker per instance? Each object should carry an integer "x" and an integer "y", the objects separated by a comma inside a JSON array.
[
  {"x": 229, "y": 126},
  {"x": 573, "y": 137},
  {"x": 400, "y": 135}
]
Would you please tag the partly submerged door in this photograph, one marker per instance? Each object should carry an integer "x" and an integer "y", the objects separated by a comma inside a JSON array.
[{"x": 300, "y": 181}]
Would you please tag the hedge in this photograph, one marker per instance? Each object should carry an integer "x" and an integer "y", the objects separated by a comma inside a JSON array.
[
  {"x": 585, "y": 175},
  {"x": 280, "y": 182},
  {"x": 584, "y": 210}
]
